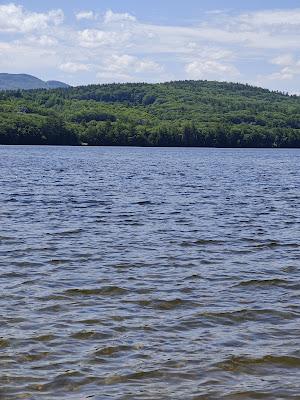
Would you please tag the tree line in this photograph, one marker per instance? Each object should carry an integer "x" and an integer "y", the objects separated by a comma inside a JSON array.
[{"x": 184, "y": 113}]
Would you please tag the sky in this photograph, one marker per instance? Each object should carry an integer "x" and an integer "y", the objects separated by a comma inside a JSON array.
[{"x": 104, "y": 41}]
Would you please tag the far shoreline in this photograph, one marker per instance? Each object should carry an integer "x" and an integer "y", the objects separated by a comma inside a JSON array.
[{"x": 147, "y": 147}]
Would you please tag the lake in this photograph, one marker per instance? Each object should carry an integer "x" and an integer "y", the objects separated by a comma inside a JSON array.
[{"x": 149, "y": 273}]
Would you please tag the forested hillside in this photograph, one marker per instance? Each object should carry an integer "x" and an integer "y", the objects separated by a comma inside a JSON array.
[{"x": 184, "y": 113}]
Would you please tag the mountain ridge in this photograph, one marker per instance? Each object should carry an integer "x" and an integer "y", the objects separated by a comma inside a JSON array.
[{"x": 27, "y": 82}]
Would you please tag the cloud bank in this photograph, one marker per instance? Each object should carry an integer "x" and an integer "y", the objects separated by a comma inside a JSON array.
[{"x": 259, "y": 47}]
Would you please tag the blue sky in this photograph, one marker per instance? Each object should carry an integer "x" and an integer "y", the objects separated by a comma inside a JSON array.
[{"x": 98, "y": 41}]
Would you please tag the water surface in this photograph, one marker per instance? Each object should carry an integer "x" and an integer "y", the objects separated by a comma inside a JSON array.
[{"x": 130, "y": 273}]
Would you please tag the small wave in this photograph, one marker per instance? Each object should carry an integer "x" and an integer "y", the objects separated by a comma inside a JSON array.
[
  {"x": 33, "y": 357},
  {"x": 6, "y": 238},
  {"x": 203, "y": 242},
  {"x": 95, "y": 321},
  {"x": 193, "y": 277},
  {"x": 28, "y": 264},
  {"x": 68, "y": 381},
  {"x": 128, "y": 265},
  {"x": 247, "y": 395},
  {"x": 103, "y": 291},
  {"x": 209, "y": 241},
  {"x": 66, "y": 233},
  {"x": 274, "y": 244},
  {"x": 166, "y": 304},
  {"x": 239, "y": 363},
  {"x": 56, "y": 308},
  {"x": 59, "y": 261},
  {"x": 53, "y": 297},
  {"x": 84, "y": 335},
  {"x": 143, "y": 203},
  {"x": 245, "y": 315},
  {"x": 111, "y": 350},
  {"x": 264, "y": 282},
  {"x": 46, "y": 338},
  {"x": 135, "y": 376},
  {"x": 13, "y": 274}
]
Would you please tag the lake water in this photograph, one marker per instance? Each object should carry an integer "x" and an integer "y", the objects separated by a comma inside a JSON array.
[{"x": 129, "y": 273}]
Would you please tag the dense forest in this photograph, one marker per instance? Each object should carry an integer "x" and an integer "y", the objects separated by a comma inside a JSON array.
[{"x": 184, "y": 113}]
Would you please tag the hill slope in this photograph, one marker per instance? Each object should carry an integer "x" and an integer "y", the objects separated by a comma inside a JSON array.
[
  {"x": 56, "y": 85},
  {"x": 26, "y": 82},
  {"x": 184, "y": 113}
]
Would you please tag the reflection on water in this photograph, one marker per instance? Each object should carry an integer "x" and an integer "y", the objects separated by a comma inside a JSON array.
[{"x": 149, "y": 273}]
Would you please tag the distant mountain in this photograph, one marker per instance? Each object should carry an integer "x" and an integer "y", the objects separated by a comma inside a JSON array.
[
  {"x": 56, "y": 85},
  {"x": 26, "y": 82}
]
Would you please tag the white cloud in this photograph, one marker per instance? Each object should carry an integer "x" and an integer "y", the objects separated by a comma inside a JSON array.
[
  {"x": 127, "y": 63},
  {"x": 280, "y": 76},
  {"x": 93, "y": 38},
  {"x": 272, "y": 17},
  {"x": 44, "y": 40},
  {"x": 4, "y": 48},
  {"x": 284, "y": 59},
  {"x": 211, "y": 63},
  {"x": 27, "y": 58},
  {"x": 289, "y": 72},
  {"x": 71, "y": 67},
  {"x": 124, "y": 67},
  {"x": 148, "y": 66},
  {"x": 290, "y": 68},
  {"x": 211, "y": 69},
  {"x": 14, "y": 18},
  {"x": 216, "y": 12},
  {"x": 111, "y": 17},
  {"x": 89, "y": 15},
  {"x": 107, "y": 76}
]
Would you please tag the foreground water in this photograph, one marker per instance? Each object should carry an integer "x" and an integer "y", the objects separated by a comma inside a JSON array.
[{"x": 149, "y": 273}]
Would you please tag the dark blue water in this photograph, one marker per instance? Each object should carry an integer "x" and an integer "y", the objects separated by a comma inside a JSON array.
[{"x": 130, "y": 273}]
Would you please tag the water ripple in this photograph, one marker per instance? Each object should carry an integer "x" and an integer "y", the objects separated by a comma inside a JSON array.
[{"x": 147, "y": 274}]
